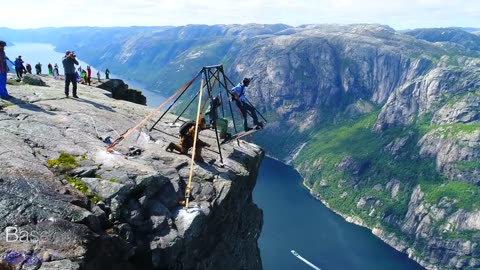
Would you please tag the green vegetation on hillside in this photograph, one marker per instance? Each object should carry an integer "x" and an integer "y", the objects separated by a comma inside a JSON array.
[
  {"x": 343, "y": 181},
  {"x": 464, "y": 195}
]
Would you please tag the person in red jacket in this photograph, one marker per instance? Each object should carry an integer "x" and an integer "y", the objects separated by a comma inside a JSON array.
[
  {"x": 50, "y": 69},
  {"x": 89, "y": 75}
]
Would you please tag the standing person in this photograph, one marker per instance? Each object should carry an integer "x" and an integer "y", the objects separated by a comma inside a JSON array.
[
  {"x": 98, "y": 75},
  {"x": 107, "y": 74},
  {"x": 89, "y": 75},
  {"x": 185, "y": 141},
  {"x": 38, "y": 68},
  {"x": 19, "y": 66},
  {"x": 69, "y": 61},
  {"x": 3, "y": 71},
  {"x": 239, "y": 97},
  {"x": 23, "y": 70},
  {"x": 55, "y": 71},
  {"x": 29, "y": 69},
  {"x": 50, "y": 68}
]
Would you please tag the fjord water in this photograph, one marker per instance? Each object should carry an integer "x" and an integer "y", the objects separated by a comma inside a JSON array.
[{"x": 293, "y": 219}]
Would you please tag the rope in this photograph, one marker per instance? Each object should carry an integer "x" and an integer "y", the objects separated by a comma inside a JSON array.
[
  {"x": 95, "y": 126},
  {"x": 10, "y": 61},
  {"x": 130, "y": 130},
  {"x": 208, "y": 95},
  {"x": 188, "y": 188}
]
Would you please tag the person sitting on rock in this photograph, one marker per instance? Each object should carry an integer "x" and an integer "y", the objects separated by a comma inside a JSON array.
[
  {"x": 185, "y": 141},
  {"x": 84, "y": 76}
]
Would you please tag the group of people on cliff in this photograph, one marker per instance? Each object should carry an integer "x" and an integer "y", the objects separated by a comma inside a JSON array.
[
  {"x": 81, "y": 76},
  {"x": 187, "y": 133}
]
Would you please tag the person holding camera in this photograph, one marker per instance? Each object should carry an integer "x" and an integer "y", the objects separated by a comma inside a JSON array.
[{"x": 69, "y": 61}]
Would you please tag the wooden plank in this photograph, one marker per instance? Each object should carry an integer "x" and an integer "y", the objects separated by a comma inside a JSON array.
[{"x": 239, "y": 135}]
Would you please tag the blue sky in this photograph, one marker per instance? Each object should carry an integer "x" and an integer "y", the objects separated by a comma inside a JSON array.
[{"x": 400, "y": 14}]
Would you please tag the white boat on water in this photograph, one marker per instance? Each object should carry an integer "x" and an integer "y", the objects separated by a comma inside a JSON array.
[{"x": 304, "y": 260}]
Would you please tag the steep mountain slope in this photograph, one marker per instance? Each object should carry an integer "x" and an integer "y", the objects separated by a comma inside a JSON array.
[{"x": 387, "y": 123}]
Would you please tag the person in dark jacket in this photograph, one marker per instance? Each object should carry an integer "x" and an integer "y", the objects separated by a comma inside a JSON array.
[
  {"x": 19, "y": 66},
  {"x": 38, "y": 68},
  {"x": 69, "y": 61}
]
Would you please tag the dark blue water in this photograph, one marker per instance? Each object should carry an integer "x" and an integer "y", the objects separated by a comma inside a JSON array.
[{"x": 293, "y": 219}]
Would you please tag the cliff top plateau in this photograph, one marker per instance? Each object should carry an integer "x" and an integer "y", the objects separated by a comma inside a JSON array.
[{"x": 67, "y": 203}]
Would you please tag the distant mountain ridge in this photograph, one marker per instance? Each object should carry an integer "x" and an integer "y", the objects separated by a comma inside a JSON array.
[
  {"x": 390, "y": 121},
  {"x": 453, "y": 35}
]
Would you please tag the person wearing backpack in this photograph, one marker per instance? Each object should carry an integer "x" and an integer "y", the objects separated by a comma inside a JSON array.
[
  {"x": 38, "y": 68},
  {"x": 238, "y": 93},
  {"x": 19, "y": 67},
  {"x": 185, "y": 141}
]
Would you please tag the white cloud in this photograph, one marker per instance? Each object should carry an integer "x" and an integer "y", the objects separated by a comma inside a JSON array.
[{"x": 398, "y": 14}]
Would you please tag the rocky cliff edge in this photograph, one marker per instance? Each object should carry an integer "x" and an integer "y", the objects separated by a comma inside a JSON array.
[{"x": 68, "y": 202}]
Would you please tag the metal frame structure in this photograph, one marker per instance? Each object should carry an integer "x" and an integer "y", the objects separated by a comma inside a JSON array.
[{"x": 211, "y": 75}]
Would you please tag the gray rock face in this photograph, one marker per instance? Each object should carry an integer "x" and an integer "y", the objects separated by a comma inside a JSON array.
[
  {"x": 419, "y": 222},
  {"x": 418, "y": 97},
  {"x": 121, "y": 91},
  {"x": 450, "y": 145},
  {"x": 451, "y": 154},
  {"x": 114, "y": 211},
  {"x": 33, "y": 80}
]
